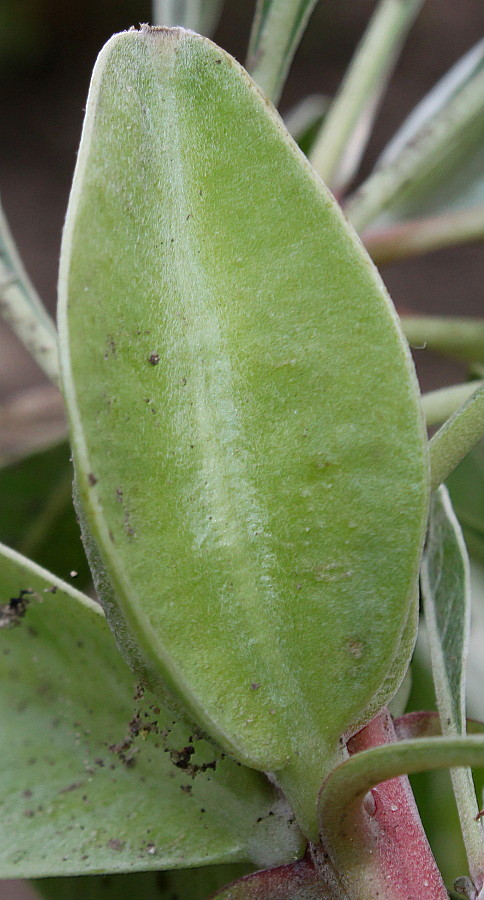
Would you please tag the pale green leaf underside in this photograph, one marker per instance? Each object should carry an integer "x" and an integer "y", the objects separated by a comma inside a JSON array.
[
  {"x": 446, "y": 596},
  {"x": 276, "y": 31},
  {"x": 69, "y": 802},
  {"x": 245, "y": 422}
]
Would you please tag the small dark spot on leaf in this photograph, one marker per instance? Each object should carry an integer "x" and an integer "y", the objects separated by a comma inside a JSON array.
[
  {"x": 92, "y": 479},
  {"x": 154, "y": 359}
]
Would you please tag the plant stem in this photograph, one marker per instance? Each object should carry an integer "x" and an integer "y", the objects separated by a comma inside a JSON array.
[
  {"x": 378, "y": 845},
  {"x": 414, "y": 238},
  {"x": 455, "y": 126},
  {"x": 22, "y": 308},
  {"x": 276, "y": 31},
  {"x": 438, "y": 406},
  {"x": 351, "y": 115},
  {"x": 456, "y": 438},
  {"x": 459, "y": 337}
]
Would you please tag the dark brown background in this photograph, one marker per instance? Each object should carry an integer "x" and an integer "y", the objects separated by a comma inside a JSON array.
[{"x": 47, "y": 49}]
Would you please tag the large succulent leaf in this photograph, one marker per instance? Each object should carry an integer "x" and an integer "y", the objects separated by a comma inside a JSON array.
[
  {"x": 37, "y": 516},
  {"x": 437, "y": 164},
  {"x": 446, "y": 595},
  {"x": 92, "y": 780},
  {"x": 186, "y": 884},
  {"x": 198, "y": 15},
  {"x": 276, "y": 31},
  {"x": 240, "y": 453}
]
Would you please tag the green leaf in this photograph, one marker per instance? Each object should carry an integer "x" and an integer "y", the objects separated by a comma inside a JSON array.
[
  {"x": 446, "y": 596},
  {"x": 466, "y": 488},
  {"x": 37, "y": 516},
  {"x": 304, "y": 120},
  {"x": 456, "y": 336},
  {"x": 187, "y": 884},
  {"x": 440, "y": 405},
  {"x": 239, "y": 452},
  {"x": 437, "y": 164},
  {"x": 276, "y": 31},
  {"x": 198, "y": 15},
  {"x": 340, "y": 145},
  {"x": 22, "y": 308},
  {"x": 456, "y": 438},
  {"x": 92, "y": 780}
]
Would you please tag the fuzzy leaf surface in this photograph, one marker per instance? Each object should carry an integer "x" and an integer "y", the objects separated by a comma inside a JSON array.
[
  {"x": 92, "y": 780},
  {"x": 244, "y": 413}
]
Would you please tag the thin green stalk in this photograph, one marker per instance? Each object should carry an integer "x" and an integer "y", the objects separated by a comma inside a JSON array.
[
  {"x": 22, "y": 308},
  {"x": 198, "y": 15},
  {"x": 456, "y": 438},
  {"x": 276, "y": 31},
  {"x": 413, "y": 238},
  {"x": 440, "y": 405},
  {"x": 454, "y": 127},
  {"x": 462, "y": 338},
  {"x": 348, "y": 123}
]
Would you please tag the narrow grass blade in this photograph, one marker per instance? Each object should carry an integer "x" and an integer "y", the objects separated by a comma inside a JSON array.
[
  {"x": 418, "y": 236},
  {"x": 22, "y": 308},
  {"x": 456, "y": 438},
  {"x": 455, "y": 336},
  {"x": 446, "y": 596},
  {"x": 338, "y": 149},
  {"x": 198, "y": 15},
  {"x": 276, "y": 31},
  {"x": 440, "y": 405},
  {"x": 439, "y": 169}
]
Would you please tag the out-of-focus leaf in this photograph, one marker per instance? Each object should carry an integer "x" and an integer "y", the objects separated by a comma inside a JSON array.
[
  {"x": 37, "y": 515},
  {"x": 92, "y": 780},
  {"x": 475, "y": 669},
  {"x": 339, "y": 147},
  {"x": 446, "y": 596},
  {"x": 415, "y": 237},
  {"x": 456, "y": 438},
  {"x": 440, "y": 405},
  {"x": 276, "y": 31},
  {"x": 438, "y": 166},
  {"x": 299, "y": 881},
  {"x": 457, "y": 336},
  {"x": 187, "y": 884},
  {"x": 466, "y": 488},
  {"x": 198, "y": 15},
  {"x": 229, "y": 360},
  {"x": 304, "y": 120},
  {"x": 22, "y": 308}
]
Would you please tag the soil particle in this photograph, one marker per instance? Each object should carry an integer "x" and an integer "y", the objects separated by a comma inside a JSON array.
[{"x": 15, "y": 609}]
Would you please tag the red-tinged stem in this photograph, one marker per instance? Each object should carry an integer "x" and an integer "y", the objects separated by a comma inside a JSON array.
[{"x": 381, "y": 849}]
